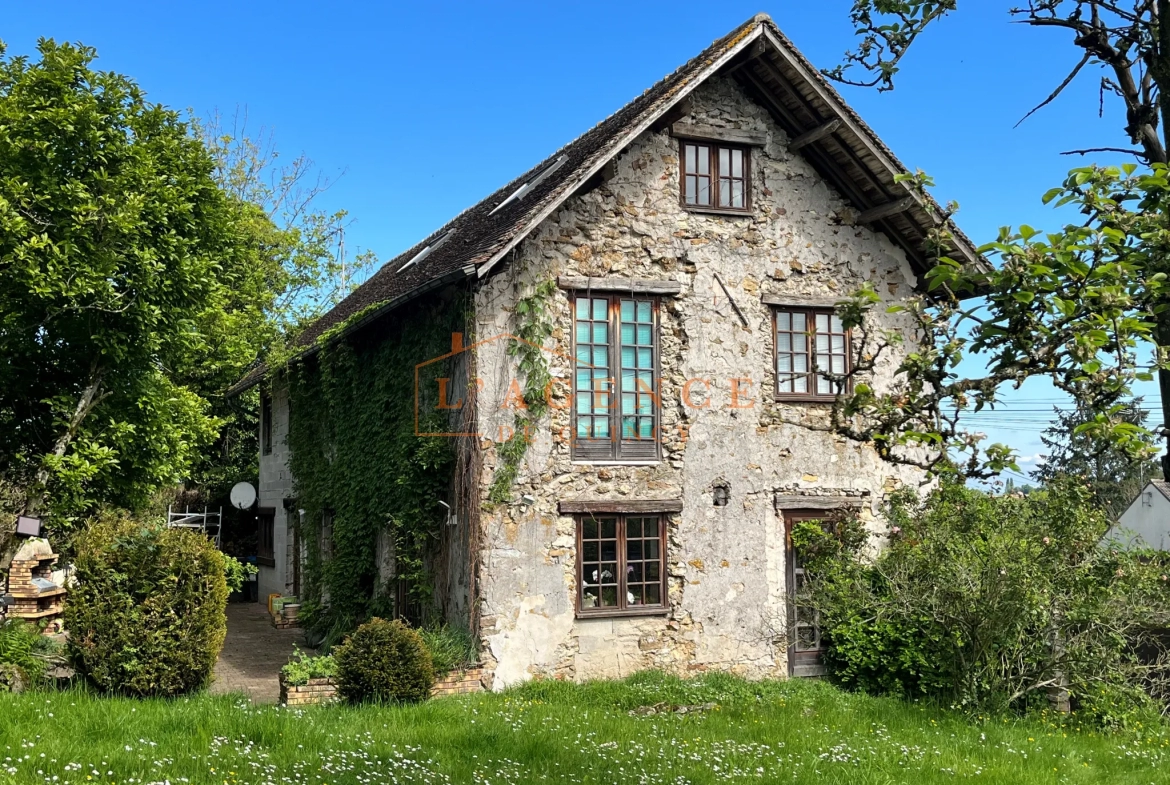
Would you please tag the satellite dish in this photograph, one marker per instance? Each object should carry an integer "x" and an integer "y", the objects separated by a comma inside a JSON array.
[{"x": 243, "y": 495}]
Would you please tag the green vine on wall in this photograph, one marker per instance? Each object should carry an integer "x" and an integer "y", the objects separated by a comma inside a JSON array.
[
  {"x": 357, "y": 459},
  {"x": 534, "y": 325}
]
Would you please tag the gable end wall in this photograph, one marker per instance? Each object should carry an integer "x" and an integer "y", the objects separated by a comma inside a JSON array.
[{"x": 726, "y": 564}]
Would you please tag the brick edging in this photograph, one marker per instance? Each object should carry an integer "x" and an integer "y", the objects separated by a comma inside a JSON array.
[{"x": 459, "y": 682}]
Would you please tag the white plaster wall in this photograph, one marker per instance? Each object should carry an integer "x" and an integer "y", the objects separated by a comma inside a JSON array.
[
  {"x": 726, "y": 565},
  {"x": 1146, "y": 523},
  {"x": 276, "y": 486}
]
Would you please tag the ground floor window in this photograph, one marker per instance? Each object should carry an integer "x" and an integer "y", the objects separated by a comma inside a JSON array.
[{"x": 621, "y": 564}]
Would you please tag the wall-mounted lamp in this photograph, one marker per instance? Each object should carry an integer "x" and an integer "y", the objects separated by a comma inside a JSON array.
[
  {"x": 450, "y": 513},
  {"x": 527, "y": 500}
]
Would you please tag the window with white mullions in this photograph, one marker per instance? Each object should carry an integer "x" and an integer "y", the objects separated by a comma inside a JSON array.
[
  {"x": 792, "y": 352},
  {"x": 831, "y": 352},
  {"x": 732, "y": 178},
  {"x": 697, "y": 174},
  {"x": 806, "y": 339}
]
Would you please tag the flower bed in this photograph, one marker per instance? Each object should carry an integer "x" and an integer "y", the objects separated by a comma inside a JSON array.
[{"x": 323, "y": 690}]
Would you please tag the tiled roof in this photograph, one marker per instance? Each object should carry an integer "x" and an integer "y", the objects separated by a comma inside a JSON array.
[
  {"x": 475, "y": 240},
  {"x": 1163, "y": 486}
]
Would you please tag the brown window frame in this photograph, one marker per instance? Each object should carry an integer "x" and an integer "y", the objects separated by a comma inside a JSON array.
[
  {"x": 615, "y": 448},
  {"x": 265, "y": 423},
  {"x": 266, "y": 536},
  {"x": 810, "y": 352},
  {"x": 713, "y": 147},
  {"x": 623, "y": 607}
]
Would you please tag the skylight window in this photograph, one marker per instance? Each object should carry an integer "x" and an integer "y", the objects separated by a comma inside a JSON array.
[
  {"x": 425, "y": 252},
  {"x": 523, "y": 190}
]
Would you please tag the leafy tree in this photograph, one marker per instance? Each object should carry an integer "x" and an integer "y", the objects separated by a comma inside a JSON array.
[
  {"x": 1085, "y": 306},
  {"x": 304, "y": 269},
  {"x": 129, "y": 284},
  {"x": 147, "y": 263},
  {"x": 1113, "y": 478}
]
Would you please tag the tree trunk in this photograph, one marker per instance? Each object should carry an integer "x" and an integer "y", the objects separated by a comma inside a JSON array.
[
  {"x": 35, "y": 497},
  {"x": 1162, "y": 329}
]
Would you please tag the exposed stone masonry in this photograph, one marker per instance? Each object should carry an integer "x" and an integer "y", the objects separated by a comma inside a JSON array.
[{"x": 726, "y": 564}]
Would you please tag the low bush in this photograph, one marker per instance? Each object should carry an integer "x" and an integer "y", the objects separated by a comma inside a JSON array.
[
  {"x": 384, "y": 661},
  {"x": 988, "y": 602},
  {"x": 303, "y": 667},
  {"x": 148, "y": 614}
]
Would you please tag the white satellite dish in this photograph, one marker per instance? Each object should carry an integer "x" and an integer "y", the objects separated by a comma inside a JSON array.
[{"x": 243, "y": 495}]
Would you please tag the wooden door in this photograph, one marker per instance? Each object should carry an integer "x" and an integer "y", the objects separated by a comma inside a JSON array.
[{"x": 805, "y": 643}]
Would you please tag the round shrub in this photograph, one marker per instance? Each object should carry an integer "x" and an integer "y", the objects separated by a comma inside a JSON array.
[
  {"x": 148, "y": 614},
  {"x": 384, "y": 661}
]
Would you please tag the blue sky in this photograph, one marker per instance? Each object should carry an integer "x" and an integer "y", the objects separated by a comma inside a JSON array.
[{"x": 422, "y": 109}]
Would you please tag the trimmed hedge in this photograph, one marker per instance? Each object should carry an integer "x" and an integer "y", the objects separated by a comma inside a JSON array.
[
  {"x": 148, "y": 614},
  {"x": 384, "y": 661}
]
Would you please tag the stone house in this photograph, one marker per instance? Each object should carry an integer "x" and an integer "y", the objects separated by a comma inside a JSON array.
[{"x": 698, "y": 240}]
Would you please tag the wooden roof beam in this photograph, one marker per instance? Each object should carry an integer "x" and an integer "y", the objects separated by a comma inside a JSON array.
[
  {"x": 815, "y": 135},
  {"x": 824, "y": 163},
  {"x": 677, "y": 112},
  {"x": 886, "y": 210}
]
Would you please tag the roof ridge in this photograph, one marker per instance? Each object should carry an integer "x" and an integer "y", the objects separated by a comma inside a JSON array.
[{"x": 485, "y": 231}]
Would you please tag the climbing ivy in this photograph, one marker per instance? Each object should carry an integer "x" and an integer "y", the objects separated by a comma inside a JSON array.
[
  {"x": 357, "y": 460},
  {"x": 534, "y": 325}
]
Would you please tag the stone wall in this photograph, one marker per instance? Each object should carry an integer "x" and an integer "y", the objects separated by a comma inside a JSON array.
[
  {"x": 275, "y": 486},
  {"x": 726, "y": 564}
]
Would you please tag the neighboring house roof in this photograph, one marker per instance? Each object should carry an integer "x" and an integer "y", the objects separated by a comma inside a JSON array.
[
  {"x": 833, "y": 138},
  {"x": 1163, "y": 486}
]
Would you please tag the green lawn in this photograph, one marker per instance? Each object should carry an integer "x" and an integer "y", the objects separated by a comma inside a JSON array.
[{"x": 553, "y": 732}]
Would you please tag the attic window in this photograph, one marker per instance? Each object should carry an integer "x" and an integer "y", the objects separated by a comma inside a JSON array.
[{"x": 715, "y": 176}]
